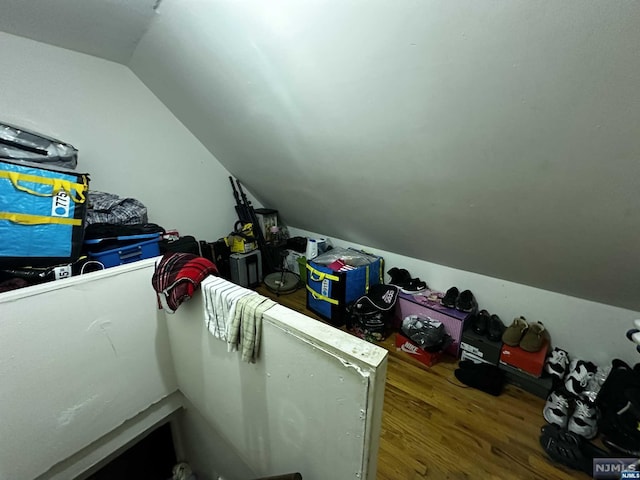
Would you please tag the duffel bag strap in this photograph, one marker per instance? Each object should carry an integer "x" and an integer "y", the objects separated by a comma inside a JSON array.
[
  {"x": 26, "y": 219},
  {"x": 57, "y": 185},
  {"x": 317, "y": 296},
  {"x": 318, "y": 276}
]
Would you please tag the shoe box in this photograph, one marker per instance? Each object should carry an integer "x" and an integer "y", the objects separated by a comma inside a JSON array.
[
  {"x": 529, "y": 362},
  {"x": 407, "y": 346},
  {"x": 539, "y": 386},
  {"x": 480, "y": 347},
  {"x": 424, "y": 304}
]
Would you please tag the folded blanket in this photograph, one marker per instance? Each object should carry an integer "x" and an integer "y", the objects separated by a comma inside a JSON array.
[{"x": 177, "y": 276}]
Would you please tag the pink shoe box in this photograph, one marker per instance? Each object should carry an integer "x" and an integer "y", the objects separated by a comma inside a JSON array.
[{"x": 427, "y": 303}]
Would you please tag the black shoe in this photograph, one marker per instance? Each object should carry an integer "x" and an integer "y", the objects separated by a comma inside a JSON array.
[
  {"x": 399, "y": 277},
  {"x": 482, "y": 376},
  {"x": 569, "y": 449},
  {"x": 449, "y": 299},
  {"x": 466, "y": 302},
  {"x": 414, "y": 285},
  {"x": 480, "y": 322},
  {"x": 495, "y": 329}
]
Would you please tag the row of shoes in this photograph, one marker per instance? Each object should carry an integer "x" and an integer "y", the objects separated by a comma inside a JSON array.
[
  {"x": 402, "y": 279},
  {"x": 571, "y": 404},
  {"x": 528, "y": 336},
  {"x": 491, "y": 326},
  {"x": 463, "y": 301}
]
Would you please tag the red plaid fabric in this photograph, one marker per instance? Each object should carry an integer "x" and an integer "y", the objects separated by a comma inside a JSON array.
[{"x": 178, "y": 276}]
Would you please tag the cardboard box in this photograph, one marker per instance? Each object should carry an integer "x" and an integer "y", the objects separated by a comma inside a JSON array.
[
  {"x": 481, "y": 346},
  {"x": 421, "y": 304},
  {"x": 532, "y": 363},
  {"x": 466, "y": 355},
  {"x": 539, "y": 386},
  {"x": 407, "y": 346}
]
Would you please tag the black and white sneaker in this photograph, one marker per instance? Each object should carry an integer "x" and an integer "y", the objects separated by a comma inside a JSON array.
[
  {"x": 556, "y": 410},
  {"x": 557, "y": 363},
  {"x": 584, "y": 420},
  {"x": 415, "y": 285},
  {"x": 579, "y": 376}
]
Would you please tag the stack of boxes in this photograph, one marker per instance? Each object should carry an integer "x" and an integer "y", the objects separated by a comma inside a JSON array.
[
  {"x": 427, "y": 304},
  {"x": 521, "y": 368}
]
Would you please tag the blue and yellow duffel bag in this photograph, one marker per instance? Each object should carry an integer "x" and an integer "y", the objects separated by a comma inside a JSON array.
[
  {"x": 339, "y": 277},
  {"x": 42, "y": 213}
]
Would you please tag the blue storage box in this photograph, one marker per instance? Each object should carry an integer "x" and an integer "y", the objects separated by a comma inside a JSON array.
[
  {"x": 330, "y": 291},
  {"x": 42, "y": 214},
  {"x": 112, "y": 252}
]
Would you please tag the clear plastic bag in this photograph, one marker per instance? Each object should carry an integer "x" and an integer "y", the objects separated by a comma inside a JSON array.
[{"x": 19, "y": 144}]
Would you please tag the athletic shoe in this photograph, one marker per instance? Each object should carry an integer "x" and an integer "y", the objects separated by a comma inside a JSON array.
[
  {"x": 584, "y": 420},
  {"x": 513, "y": 334},
  {"x": 557, "y": 363},
  {"x": 414, "y": 285},
  {"x": 449, "y": 299},
  {"x": 580, "y": 373},
  {"x": 556, "y": 410},
  {"x": 466, "y": 302},
  {"x": 569, "y": 449}
]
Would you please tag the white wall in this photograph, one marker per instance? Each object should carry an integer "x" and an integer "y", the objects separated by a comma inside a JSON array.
[
  {"x": 128, "y": 141},
  {"x": 311, "y": 403},
  {"x": 589, "y": 330},
  {"x": 496, "y": 137},
  {"x": 78, "y": 358}
]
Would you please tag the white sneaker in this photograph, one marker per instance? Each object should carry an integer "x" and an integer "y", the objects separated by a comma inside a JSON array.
[
  {"x": 556, "y": 410},
  {"x": 584, "y": 420},
  {"x": 557, "y": 363},
  {"x": 580, "y": 373}
]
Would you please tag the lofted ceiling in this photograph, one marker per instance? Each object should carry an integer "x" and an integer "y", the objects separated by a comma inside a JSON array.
[
  {"x": 497, "y": 138},
  {"x": 110, "y": 29}
]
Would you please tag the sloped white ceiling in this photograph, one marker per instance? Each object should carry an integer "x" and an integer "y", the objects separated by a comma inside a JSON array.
[
  {"x": 109, "y": 29},
  {"x": 495, "y": 137},
  {"x": 501, "y": 138}
]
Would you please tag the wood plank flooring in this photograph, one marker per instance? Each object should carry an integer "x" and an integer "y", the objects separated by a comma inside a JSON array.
[{"x": 434, "y": 427}]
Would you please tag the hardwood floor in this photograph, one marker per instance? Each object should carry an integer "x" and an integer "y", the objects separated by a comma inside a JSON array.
[{"x": 437, "y": 428}]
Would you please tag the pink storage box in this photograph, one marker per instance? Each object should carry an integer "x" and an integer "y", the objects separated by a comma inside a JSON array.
[{"x": 420, "y": 304}]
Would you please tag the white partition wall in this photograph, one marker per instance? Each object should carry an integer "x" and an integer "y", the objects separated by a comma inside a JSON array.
[
  {"x": 78, "y": 358},
  {"x": 312, "y": 403}
]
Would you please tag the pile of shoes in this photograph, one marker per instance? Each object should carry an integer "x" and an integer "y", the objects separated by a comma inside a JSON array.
[
  {"x": 482, "y": 376},
  {"x": 530, "y": 337},
  {"x": 401, "y": 278},
  {"x": 568, "y": 405},
  {"x": 463, "y": 301},
  {"x": 587, "y": 400}
]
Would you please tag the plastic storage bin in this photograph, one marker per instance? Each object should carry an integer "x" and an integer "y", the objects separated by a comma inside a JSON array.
[{"x": 127, "y": 249}]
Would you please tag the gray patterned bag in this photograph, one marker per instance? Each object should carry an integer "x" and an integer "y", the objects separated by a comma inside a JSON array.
[{"x": 110, "y": 208}]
